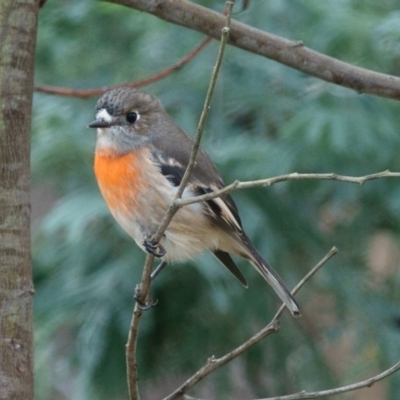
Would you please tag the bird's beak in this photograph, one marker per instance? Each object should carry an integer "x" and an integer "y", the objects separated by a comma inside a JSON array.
[{"x": 99, "y": 123}]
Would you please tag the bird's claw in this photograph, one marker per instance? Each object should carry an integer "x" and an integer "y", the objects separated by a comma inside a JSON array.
[
  {"x": 153, "y": 248},
  {"x": 141, "y": 301},
  {"x": 147, "y": 305}
]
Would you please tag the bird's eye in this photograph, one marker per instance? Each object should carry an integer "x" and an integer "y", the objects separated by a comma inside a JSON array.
[{"x": 132, "y": 117}]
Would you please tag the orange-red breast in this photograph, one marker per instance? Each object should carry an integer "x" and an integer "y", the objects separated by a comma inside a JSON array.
[{"x": 141, "y": 156}]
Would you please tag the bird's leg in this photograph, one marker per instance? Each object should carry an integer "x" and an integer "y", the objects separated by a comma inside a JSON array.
[
  {"x": 153, "y": 248},
  {"x": 141, "y": 300},
  {"x": 158, "y": 251},
  {"x": 158, "y": 269}
]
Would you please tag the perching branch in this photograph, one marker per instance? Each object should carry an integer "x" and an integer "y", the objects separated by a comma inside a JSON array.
[
  {"x": 291, "y": 53},
  {"x": 85, "y": 93},
  {"x": 273, "y": 327},
  {"x": 282, "y": 178},
  {"x": 144, "y": 288}
]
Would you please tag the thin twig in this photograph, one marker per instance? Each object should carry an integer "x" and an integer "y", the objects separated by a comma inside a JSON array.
[
  {"x": 343, "y": 389},
  {"x": 273, "y": 327},
  {"x": 207, "y": 102},
  {"x": 200, "y": 128},
  {"x": 333, "y": 251},
  {"x": 214, "y": 363},
  {"x": 144, "y": 287},
  {"x": 85, "y": 93},
  {"x": 282, "y": 178}
]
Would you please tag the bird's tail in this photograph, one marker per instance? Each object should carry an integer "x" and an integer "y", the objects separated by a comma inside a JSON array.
[{"x": 272, "y": 278}]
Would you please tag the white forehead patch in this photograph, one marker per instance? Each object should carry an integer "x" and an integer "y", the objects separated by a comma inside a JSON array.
[{"x": 103, "y": 115}]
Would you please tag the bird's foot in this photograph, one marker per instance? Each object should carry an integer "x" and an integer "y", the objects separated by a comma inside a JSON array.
[
  {"x": 142, "y": 302},
  {"x": 153, "y": 248}
]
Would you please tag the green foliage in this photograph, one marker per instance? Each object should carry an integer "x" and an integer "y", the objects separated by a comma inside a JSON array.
[{"x": 266, "y": 120}]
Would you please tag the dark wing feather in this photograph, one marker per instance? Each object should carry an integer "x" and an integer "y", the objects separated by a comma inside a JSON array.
[
  {"x": 174, "y": 173},
  {"x": 222, "y": 210},
  {"x": 227, "y": 261}
]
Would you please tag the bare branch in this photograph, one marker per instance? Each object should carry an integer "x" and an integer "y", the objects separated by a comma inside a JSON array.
[
  {"x": 348, "y": 388},
  {"x": 291, "y": 53},
  {"x": 214, "y": 363},
  {"x": 273, "y": 327},
  {"x": 282, "y": 178},
  {"x": 85, "y": 93}
]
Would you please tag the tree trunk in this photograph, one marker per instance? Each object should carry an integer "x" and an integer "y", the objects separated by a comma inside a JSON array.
[{"x": 18, "y": 21}]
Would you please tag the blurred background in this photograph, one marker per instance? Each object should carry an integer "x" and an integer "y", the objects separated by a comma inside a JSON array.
[{"x": 265, "y": 120}]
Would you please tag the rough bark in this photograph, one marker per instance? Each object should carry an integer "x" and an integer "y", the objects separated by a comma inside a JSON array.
[{"x": 18, "y": 22}]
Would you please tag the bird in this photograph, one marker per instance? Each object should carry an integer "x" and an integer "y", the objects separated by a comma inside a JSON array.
[{"x": 140, "y": 158}]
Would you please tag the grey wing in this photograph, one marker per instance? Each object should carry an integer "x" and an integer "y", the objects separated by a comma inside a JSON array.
[{"x": 221, "y": 210}]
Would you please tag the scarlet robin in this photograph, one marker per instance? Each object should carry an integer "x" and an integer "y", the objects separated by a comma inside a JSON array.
[{"x": 141, "y": 156}]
